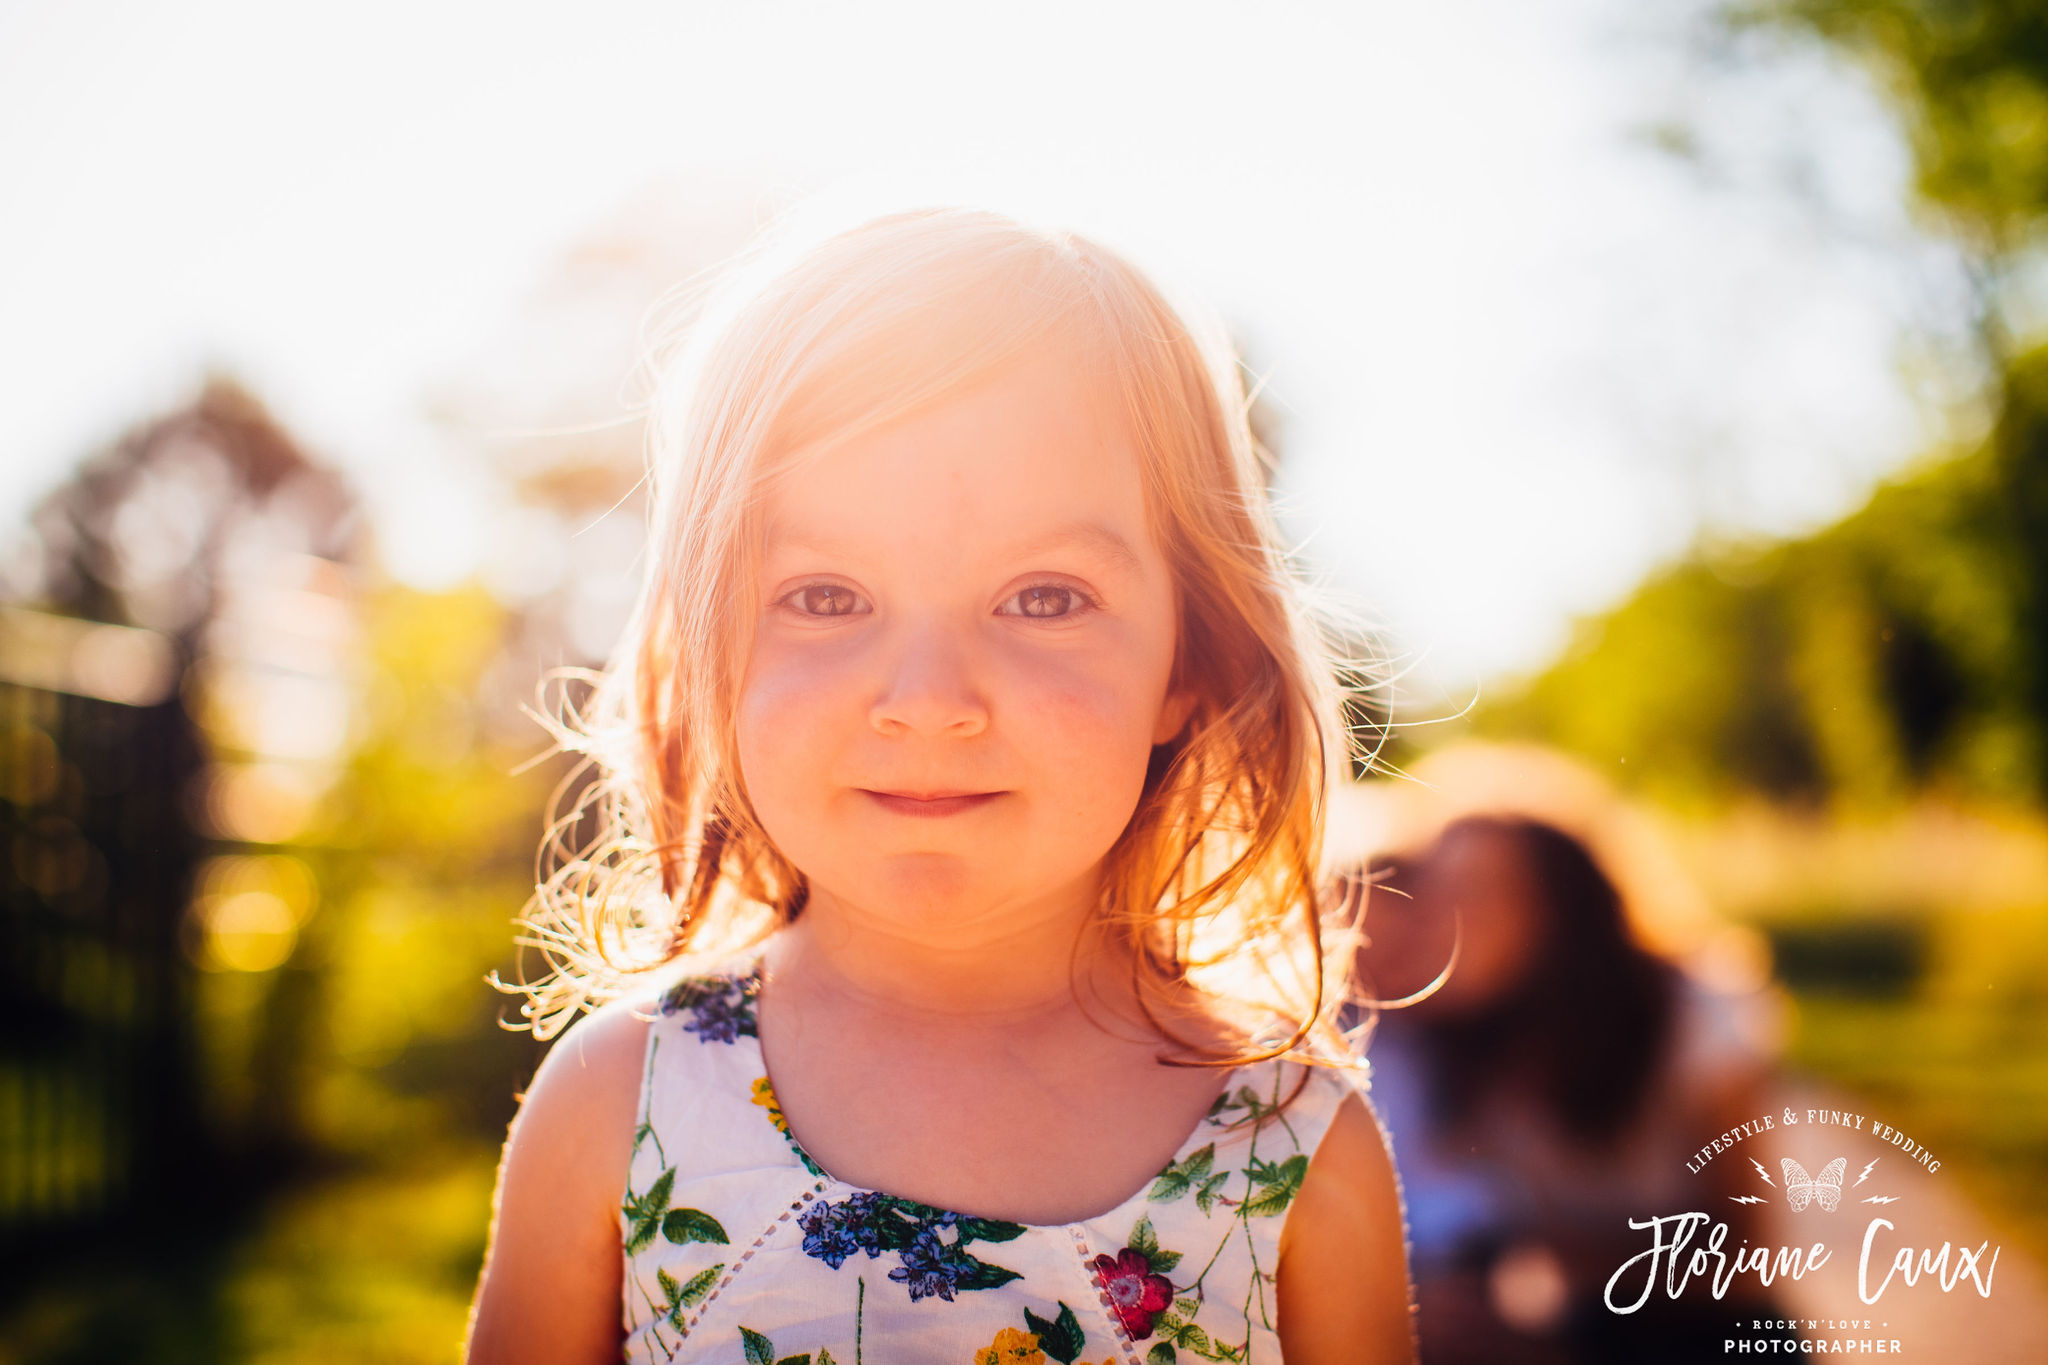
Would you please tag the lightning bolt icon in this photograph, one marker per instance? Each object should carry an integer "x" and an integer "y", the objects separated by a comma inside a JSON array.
[
  {"x": 1745, "y": 1199},
  {"x": 1866, "y": 1173},
  {"x": 1764, "y": 1173},
  {"x": 1882, "y": 1199}
]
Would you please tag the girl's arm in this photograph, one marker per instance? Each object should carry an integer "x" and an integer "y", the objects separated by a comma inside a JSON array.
[
  {"x": 1344, "y": 1292},
  {"x": 553, "y": 1273}
]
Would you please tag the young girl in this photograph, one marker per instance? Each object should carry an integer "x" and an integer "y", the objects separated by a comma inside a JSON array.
[{"x": 967, "y": 777}]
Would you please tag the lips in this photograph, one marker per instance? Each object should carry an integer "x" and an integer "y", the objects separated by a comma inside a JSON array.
[{"x": 930, "y": 804}]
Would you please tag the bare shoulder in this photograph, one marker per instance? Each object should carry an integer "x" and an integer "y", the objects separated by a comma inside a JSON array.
[
  {"x": 578, "y": 1114},
  {"x": 551, "y": 1282},
  {"x": 1344, "y": 1293},
  {"x": 598, "y": 1051}
]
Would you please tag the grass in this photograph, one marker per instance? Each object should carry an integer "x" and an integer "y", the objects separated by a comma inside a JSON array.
[
  {"x": 1957, "y": 1058},
  {"x": 368, "y": 1264}
]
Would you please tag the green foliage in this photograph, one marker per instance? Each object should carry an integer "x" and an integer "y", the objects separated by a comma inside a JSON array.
[
  {"x": 365, "y": 1265},
  {"x": 1898, "y": 651},
  {"x": 1971, "y": 78},
  {"x": 1959, "y": 1060},
  {"x": 1851, "y": 954},
  {"x": 1906, "y": 648},
  {"x": 424, "y": 853},
  {"x": 375, "y": 1266}
]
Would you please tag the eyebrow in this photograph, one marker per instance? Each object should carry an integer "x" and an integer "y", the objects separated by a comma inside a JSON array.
[{"x": 1090, "y": 536}]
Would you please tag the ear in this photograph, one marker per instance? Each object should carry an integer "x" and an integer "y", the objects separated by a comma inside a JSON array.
[{"x": 1173, "y": 715}]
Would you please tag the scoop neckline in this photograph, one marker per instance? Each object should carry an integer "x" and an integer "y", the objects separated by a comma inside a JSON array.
[{"x": 750, "y": 980}]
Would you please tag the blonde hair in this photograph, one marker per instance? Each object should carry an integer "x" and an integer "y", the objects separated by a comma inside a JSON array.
[{"x": 656, "y": 856}]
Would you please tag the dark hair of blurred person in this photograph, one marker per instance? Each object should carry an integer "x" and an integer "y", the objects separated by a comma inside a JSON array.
[{"x": 1550, "y": 991}]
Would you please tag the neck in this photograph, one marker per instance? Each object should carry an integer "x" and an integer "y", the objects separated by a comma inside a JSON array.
[{"x": 1037, "y": 963}]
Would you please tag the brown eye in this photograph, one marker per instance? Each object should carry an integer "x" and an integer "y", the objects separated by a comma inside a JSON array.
[
  {"x": 824, "y": 599},
  {"x": 1046, "y": 601}
]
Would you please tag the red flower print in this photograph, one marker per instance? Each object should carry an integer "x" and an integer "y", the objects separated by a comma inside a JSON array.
[{"x": 1134, "y": 1292}]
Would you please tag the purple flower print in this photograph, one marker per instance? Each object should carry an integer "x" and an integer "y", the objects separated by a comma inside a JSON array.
[
  {"x": 833, "y": 1232},
  {"x": 929, "y": 1267},
  {"x": 721, "y": 1008}
]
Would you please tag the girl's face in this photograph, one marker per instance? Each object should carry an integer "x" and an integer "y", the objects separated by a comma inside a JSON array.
[{"x": 960, "y": 669}]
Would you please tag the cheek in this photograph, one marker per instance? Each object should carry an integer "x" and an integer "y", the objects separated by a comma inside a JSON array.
[
  {"x": 1087, "y": 714},
  {"x": 784, "y": 724},
  {"x": 1088, "y": 730}
]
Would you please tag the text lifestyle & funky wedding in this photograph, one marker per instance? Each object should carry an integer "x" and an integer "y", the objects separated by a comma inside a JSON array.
[{"x": 1816, "y": 1118}]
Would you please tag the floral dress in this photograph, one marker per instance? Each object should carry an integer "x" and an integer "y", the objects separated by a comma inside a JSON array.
[{"x": 740, "y": 1250}]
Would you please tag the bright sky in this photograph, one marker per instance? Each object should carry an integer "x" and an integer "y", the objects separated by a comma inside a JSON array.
[{"x": 1521, "y": 355}]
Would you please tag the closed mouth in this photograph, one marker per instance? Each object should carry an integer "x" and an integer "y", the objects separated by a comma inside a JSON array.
[
  {"x": 932, "y": 796},
  {"x": 930, "y": 803}
]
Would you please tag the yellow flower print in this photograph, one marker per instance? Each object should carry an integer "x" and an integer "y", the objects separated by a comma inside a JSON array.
[
  {"x": 764, "y": 1095},
  {"x": 1011, "y": 1347}
]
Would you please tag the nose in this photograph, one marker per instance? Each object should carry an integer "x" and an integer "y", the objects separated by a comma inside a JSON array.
[{"x": 929, "y": 686}]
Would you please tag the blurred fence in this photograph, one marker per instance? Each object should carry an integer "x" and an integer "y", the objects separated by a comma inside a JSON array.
[{"x": 98, "y": 1112}]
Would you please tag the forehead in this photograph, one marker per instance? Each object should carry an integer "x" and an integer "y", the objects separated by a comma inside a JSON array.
[{"x": 1037, "y": 450}]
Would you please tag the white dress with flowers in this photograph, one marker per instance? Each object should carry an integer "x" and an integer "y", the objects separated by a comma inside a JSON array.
[{"x": 739, "y": 1250}]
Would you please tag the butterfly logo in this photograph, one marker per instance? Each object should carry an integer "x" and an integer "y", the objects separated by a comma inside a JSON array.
[{"x": 1826, "y": 1188}]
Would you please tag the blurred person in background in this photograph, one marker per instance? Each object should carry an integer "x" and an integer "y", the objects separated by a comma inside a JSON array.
[{"x": 1550, "y": 1090}]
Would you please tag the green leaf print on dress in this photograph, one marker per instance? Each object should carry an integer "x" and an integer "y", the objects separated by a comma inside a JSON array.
[
  {"x": 650, "y": 1214},
  {"x": 677, "y": 1297},
  {"x": 1062, "y": 1338},
  {"x": 644, "y": 1212},
  {"x": 1277, "y": 1185},
  {"x": 683, "y": 1226},
  {"x": 1181, "y": 1176},
  {"x": 1146, "y": 1240},
  {"x": 760, "y": 1351},
  {"x": 1194, "y": 1172}
]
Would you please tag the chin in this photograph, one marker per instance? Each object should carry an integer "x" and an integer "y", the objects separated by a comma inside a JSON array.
[
  {"x": 935, "y": 895},
  {"x": 919, "y": 888}
]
